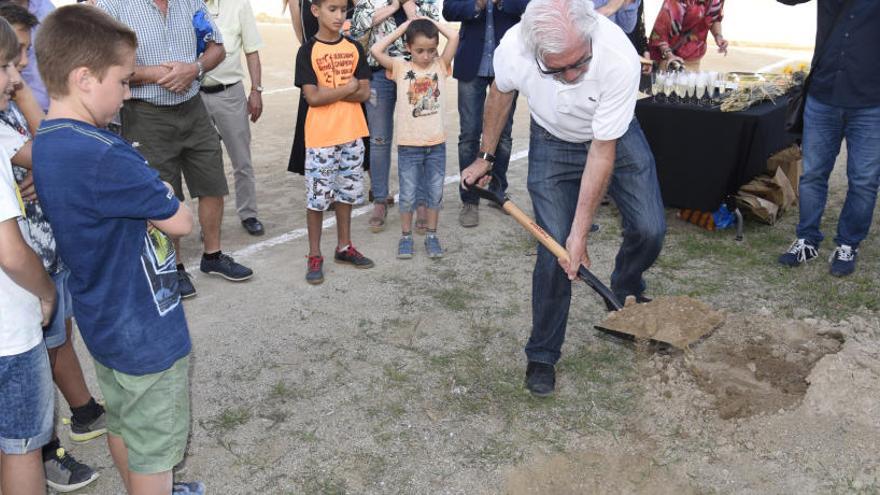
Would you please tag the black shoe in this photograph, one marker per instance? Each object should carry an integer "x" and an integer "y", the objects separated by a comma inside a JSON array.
[
  {"x": 540, "y": 379},
  {"x": 226, "y": 267},
  {"x": 185, "y": 285},
  {"x": 253, "y": 226},
  {"x": 66, "y": 474}
]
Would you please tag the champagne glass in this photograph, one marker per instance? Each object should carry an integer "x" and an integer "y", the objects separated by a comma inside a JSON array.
[
  {"x": 692, "y": 86},
  {"x": 656, "y": 84},
  {"x": 668, "y": 86},
  {"x": 713, "y": 84},
  {"x": 702, "y": 80}
]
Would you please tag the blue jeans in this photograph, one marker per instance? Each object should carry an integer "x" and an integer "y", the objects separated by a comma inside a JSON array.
[
  {"x": 555, "y": 170},
  {"x": 421, "y": 170},
  {"x": 380, "y": 120},
  {"x": 824, "y": 128},
  {"x": 471, "y": 100},
  {"x": 28, "y": 401}
]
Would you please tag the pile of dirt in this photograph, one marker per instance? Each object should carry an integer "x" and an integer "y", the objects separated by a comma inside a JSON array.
[
  {"x": 677, "y": 320},
  {"x": 754, "y": 364}
]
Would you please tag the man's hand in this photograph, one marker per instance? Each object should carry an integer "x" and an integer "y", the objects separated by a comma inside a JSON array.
[
  {"x": 476, "y": 173},
  {"x": 180, "y": 76},
  {"x": 576, "y": 245},
  {"x": 721, "y": 41},
  {"x": 28, "y": 191},
  {"x": 47, "y": 308},
  {"x": 255, "y": 105}
]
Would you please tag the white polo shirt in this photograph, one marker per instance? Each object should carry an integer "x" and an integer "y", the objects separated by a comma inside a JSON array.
[
  {"x": 236, "y": 22},
  {"x": 600, "y": 107}
]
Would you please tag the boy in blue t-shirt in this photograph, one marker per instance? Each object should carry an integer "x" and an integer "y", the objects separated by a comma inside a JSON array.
[{"x": 112, "y": 216}]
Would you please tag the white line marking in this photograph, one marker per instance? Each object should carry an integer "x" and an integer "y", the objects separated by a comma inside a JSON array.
[
  {"x": 330, "y": 222},
  {"x": 279, "y": 90}
]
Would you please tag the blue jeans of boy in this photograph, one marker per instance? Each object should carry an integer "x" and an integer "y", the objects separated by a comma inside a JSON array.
[
  {"x": 380, "y": 120},
  {"x": 421, "y": 170},
  {"x": 471, "y": 100},
  {"x": 555, "y": 170},
  {"x": 825, "y": 126}
]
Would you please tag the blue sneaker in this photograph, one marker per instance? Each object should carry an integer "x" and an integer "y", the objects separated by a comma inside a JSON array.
[
  {"x": 799, "y": 253},
  {"x": 226, "y": 267},
  {"x": 432, "y": 245},
  {"x": 191, "y": 488},
  {"x": 405, "y": 247},
  {"x": 843, "y": 260}
]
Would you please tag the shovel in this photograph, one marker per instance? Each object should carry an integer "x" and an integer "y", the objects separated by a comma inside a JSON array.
[{"x": 692, "y": 318}]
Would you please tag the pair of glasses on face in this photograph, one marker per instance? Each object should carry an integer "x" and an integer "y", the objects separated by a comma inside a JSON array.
[{"x": 547, "y": 71}]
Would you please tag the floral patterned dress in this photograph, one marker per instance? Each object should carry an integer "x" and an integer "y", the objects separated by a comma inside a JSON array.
[{"x": 684, "y": 25}]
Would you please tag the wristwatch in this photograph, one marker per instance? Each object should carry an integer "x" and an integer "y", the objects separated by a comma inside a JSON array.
[
  {"x": 201, "y": 70},
  {"x": 489, "y": 157},
  {"x": 258, "y": 89}
]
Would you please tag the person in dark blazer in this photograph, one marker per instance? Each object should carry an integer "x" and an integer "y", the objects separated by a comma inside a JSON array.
[{"x": 483, "y": 24}]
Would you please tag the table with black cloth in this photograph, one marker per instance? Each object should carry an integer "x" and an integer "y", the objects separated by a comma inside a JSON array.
[{"x": 703, "y": 154}]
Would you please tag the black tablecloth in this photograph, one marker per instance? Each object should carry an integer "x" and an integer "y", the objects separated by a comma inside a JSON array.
[{"x": 704, "y": 154}]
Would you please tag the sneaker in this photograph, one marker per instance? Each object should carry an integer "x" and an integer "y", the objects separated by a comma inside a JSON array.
[
  {"x": 469, "y": 216},
  {"x": 405, "y": 247},
  {"x": 432, "y": 245},
  {"x": 799, "y": 253},
  {"x": 65, "y": 474},
  {"x": 315, "y": 275},
  {"x": 843, "y": 260},
  {"x": 191, "y": 488},
  {"x": 83, "y": 432},
  {"x": 253, "y": 226},
  {"x": 352, "y": 256},
  {"x": 226, "y": 267},
  {"x": 540, "y": 379},
  {"x": 184, "y": 284}
]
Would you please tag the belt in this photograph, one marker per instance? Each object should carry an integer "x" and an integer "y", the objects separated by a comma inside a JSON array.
[{"x": 218, "y": 88}]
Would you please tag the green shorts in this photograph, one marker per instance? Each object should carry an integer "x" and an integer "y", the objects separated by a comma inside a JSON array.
[
  {"x": 150, "y": 413},
  {"x": 179, "y": 140}
]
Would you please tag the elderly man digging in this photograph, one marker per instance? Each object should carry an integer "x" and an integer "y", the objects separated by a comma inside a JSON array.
[{"x": 580, "y": 74}]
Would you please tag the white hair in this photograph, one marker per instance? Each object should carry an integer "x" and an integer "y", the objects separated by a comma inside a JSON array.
[{"x": 550, "y": 27}]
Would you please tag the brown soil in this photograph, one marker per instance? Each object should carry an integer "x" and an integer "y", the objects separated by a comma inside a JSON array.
[
  {"x": 754, "y": 365},
  {"x": 678, "y": 320}
]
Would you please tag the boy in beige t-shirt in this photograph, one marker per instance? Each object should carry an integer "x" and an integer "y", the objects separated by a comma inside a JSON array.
[{"x": 421, "y": 140}]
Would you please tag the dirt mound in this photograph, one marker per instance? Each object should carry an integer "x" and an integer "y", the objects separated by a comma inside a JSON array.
[
  {"x": 676, "y": 320},
  {"x": 755, "y": 364},
  {"x": 583, "y": 472}
]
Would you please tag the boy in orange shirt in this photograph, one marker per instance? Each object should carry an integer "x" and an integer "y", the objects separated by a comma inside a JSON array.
[{"x": 334, "y": 77}]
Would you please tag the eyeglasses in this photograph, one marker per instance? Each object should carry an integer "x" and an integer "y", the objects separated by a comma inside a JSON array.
[{"x": 575, "y": 66}]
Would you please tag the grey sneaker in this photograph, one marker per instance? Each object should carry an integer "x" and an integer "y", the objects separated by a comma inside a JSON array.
[
  {"x": 65, "y": 474},
  {"x": 469, "y": 216},
  {"x": 191, "y": 488}
]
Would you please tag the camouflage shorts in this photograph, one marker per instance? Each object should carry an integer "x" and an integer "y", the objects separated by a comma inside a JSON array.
[{"x": 335, "y": 173}]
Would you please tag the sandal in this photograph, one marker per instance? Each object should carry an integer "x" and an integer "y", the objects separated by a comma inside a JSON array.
[{"x": 377, "y": 219}]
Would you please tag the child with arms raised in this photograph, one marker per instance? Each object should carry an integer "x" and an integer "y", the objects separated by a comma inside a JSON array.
[{"x": 421, "y": 138}]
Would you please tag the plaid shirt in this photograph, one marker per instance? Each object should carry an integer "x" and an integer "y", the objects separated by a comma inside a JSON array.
[{"x": 161, "y": 39}]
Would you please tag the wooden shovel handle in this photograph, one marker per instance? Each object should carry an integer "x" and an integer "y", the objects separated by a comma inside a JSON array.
[{"x": 543, "y": 237}]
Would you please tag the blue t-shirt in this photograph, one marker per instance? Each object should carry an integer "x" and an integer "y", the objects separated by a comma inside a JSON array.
[{"x": 98, "y": 193}]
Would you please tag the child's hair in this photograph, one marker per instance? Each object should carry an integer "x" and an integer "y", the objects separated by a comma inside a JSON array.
[
  {"x": 8, "y": 43},
  {"x": 17, "y": 15},
  {"x": 79, "y": 36},
  {"x": 421, "y": 27}
]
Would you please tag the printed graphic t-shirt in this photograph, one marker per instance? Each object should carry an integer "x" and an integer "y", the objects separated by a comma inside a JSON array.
[
  {"x": 19, "y": 309},
  {"x": 98, "y": 193},
  {"x": 421, "y": 94},
  {"x": 332, "y": 65}
]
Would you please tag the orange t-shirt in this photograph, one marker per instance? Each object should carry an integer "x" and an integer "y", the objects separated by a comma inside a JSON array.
[{"x": 331, "y": 65}]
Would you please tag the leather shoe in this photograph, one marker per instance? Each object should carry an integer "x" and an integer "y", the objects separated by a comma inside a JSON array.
[
  {"x": 540, "y": 379},
  {"x": 253, "y": 226}
]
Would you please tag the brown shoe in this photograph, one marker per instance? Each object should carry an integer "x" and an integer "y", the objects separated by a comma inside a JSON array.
[
  {"x": 377, "y": 218},
  {"x": 469, "y": 216}
]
